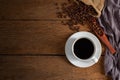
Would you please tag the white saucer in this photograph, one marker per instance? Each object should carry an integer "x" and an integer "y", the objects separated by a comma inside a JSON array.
[{"x": 80, "y": 62}]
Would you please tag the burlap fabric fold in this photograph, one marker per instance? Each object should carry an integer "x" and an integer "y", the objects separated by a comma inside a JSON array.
[{"x": 97, "y": 5}]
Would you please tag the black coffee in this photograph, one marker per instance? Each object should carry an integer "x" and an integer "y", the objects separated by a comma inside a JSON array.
[{"x": 83, "y": 48}]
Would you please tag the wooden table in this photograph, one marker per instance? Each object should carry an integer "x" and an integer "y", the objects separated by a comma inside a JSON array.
[{"x": 32, "y": 41}]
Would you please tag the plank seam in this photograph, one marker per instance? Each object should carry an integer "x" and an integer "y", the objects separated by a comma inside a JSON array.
[
  {"x": 32, "y": 55},
  {"x": 33, "y": 19}
]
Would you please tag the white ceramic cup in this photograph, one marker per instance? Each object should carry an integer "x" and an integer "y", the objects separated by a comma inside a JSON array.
[{"x": 69, "y": 49}]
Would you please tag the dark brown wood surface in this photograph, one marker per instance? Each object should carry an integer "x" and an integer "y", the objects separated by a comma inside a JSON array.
[
  {"x": 35, "y": 37},
  {"x": 32, "y": 41},
  {"x": 29, "y": 9},
  {"x": 47, "y": 68}
]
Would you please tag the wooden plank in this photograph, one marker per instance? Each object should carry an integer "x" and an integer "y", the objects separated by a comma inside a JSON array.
[
  {"x": 38, "y": 37},
  {"x": 28, "y": 9},
  {"x": 47, "y": 68},
  {"x": 34, "y": 37}
]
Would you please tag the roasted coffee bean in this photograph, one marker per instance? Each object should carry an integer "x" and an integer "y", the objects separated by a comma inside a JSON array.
[
  {"x": 94, "y": 27},
  {"x": 99, "y": 31},
  {"x": 59, "y": 15},
  {"x": 79, "y": 13},
  {"x": 64, "y": 22},
  {"x": 56, "y": 4},
  {"x": 63, "y": 4},
  {"x": 70, "y": 1}
]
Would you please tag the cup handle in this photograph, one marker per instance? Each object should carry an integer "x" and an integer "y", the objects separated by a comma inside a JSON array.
[{"x": 95, "y": 59}]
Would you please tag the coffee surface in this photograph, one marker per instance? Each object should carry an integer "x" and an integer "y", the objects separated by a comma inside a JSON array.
[{"x": 83, "y": 48}]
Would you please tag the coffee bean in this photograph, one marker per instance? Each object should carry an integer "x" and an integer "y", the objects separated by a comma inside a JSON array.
[
  {"x": 56, "y": 4},
  {"x": 64, "y": 22},
  {"x": 79, "y": 13}
]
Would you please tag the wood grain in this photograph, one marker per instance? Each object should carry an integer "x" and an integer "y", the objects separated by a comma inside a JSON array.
[
  {"x": 28, "y": 9},
  {"x": 47, "y": 68},
  {"x": 34, "y": 37},
  {"x": 31, "y": 26},
  {"x": 32, "y": 41}
]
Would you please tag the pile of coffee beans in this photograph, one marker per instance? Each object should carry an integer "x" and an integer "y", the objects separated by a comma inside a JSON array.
[{"x": 76, "y": 12}]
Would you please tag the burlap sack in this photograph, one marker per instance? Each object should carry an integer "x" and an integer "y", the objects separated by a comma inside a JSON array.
[{"x": 97, "y": 5}]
